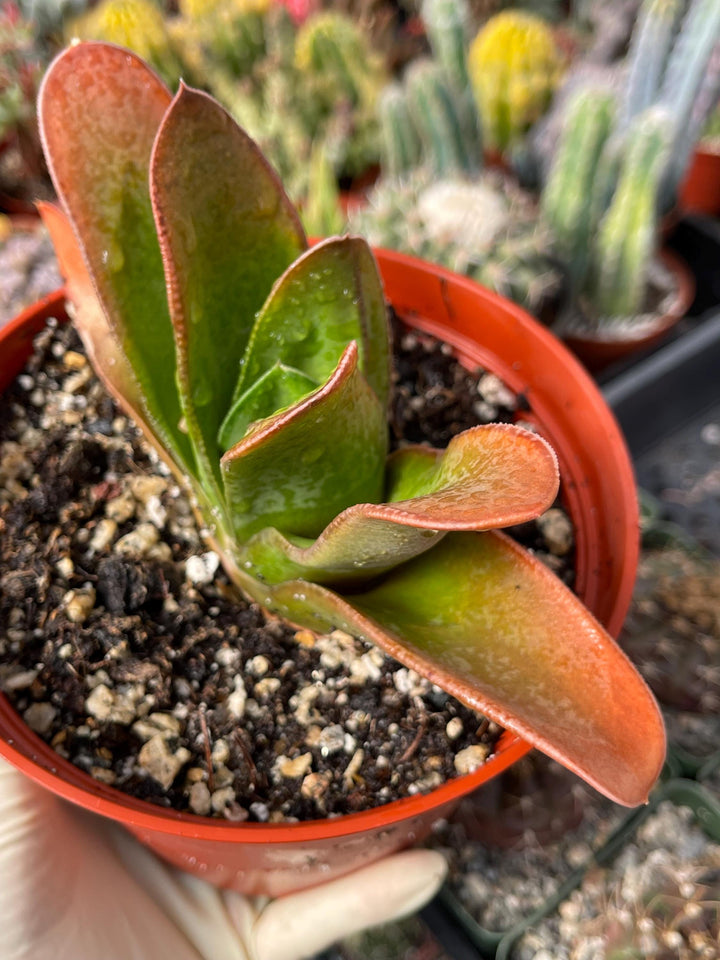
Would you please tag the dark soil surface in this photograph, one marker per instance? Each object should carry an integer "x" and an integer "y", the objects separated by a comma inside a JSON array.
[{"x": 123, "y": 645}]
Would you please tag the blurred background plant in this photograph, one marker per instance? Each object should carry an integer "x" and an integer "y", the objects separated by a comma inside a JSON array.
[{"x": 21, "y": 68}]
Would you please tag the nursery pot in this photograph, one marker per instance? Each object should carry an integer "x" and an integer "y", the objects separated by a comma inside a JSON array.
[
  {"x": 598, "y": 352},
  {"x": 700, "y": 190},
  {"x": 563, "y": 402}
]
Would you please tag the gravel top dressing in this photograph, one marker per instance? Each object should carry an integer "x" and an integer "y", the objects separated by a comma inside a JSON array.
[{"x": 124, "y": 646}]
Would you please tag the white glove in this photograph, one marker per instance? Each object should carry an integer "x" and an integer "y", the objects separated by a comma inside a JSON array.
[{"x": 74, "y": 887}]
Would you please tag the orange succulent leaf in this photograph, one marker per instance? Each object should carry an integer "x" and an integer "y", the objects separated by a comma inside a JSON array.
[
  {"x": 482, "y": 618},
  {"x": 488, "y": 477},
  {"x": 227, "y": 231},
  {"x": 99, "y": 109}
]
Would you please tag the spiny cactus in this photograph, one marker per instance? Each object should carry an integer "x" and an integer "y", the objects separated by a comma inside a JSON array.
[
  {"x": 567, "y": 205},
  {"x": 447, "y": 23},
  {"x": 447, "y": 145},
  {"x": 515, "y": 66},
  {"x": 401, "y": 145},
  {"x": 650, "y": 45},
  {"x": 136, "y": 24},
  {"x": 627, "y": 237},
  {"x": 522, "y": 268},
  {"x": 330, "y": 45},
  {"x": 467, "y": 227}
]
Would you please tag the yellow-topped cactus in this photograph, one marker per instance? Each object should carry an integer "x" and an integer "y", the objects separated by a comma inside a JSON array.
[
  {"x": 514, "y": 66},
  {"x": 136, "y": 24},
  {"x": 197, "y": 9}
]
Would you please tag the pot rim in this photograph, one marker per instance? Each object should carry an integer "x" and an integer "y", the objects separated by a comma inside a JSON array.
[{"x": 43, "y": 765}]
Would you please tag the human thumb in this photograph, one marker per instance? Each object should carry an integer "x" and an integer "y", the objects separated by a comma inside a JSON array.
[{"x": 301, "y": 924}]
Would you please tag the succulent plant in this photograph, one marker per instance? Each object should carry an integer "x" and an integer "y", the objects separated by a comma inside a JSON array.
[
  {"x": 626, "y": 241},
  {"x": 606, "y": 233},
  {"x": 484, "y": 228},
  {"x": 515, "y": 67},
  {"x": 259, "y": 369}
]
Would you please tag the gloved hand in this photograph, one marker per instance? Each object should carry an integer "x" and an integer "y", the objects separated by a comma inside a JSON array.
[{"x": 73, "y": 887}]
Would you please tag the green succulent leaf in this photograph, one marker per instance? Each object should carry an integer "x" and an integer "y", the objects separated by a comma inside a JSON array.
[
  {"x": 488, "y": 477},
  {"x": 331, "y": 295},
  {"x": 227, "y": 230},
  {"x": 490, "y": 624},
  {"x": 298, "y": 469},
  {"x": 99, "y": 110},
  {"x": 277, "y": 389}
]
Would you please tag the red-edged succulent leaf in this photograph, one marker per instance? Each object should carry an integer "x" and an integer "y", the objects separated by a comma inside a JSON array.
[
  {"x": 491, "y": 476},
  {"x": 298, "y": 469},
  {"x": 490, "y": 624},
  {"x": 99, "y": 109},
  {"x": 277, "y": 389},
  {"x": 227, "y": 231},
  {"x": 104, "y": 353},
  {"x": 329, "y": 296}
]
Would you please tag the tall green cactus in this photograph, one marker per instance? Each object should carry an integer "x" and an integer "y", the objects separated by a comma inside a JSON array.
[
  {"x": 402, "y": 149},
  {"x": 567, "y": 201},
  {"x": 447, "y": 23},
  {"x": 650, "y": 46},
  {"x": 434, "y": 110},
  {"x": 627, "y": 237}
]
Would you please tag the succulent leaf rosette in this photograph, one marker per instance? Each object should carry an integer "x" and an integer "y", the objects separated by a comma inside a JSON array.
[{"x": 259, "y": 367}]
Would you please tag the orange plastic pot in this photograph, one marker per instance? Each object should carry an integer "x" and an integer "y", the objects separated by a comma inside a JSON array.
[
  {"x": 599, "y": 489},
  {"x": 700, "y": 190},
  {"x": 597, "y": 352}
]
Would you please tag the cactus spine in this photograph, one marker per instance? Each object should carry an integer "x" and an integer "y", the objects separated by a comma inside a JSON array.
[
  {"x": 401, "y": 143},
  {"x": 514, "y": 69},
  {"x": 627, "y": 236},
  {"x": 566, "y": 203}
]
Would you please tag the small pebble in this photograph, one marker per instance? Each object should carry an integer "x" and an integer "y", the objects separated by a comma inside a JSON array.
[
  {"x": 79, "y": 604},
  {"x": 39, "y": 716},
  {"x": 472, "y": 757}
]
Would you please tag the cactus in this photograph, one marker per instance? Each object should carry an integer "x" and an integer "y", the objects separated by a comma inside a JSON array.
[
  {"x": 446, "y": 145},
  {"x": 627, "y": 237},
  {"x": 522, "y": 268},
  {"x": 693, "y": 128},
  {"x": 510, "y": 256},
  {"x": 514, "y": 69},
  {"x": 567, "y": 204},
  {"x": 447, "y": 25},
  {"x": 136, "y": 24},
  {"x": 321, "y": 214},
  {"x": 330, "y": 45},
  {"x": 649, "y": 48},
  {"x": 401, "y": 143}
]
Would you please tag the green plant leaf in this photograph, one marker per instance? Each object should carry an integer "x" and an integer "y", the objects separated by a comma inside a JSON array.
[
  {"x": 298, "y": 469},
  {"x": 276, "y": 390},
  {"x": 489, "y": 477},
  {"x": 491, "y": 625},
  {"x": 227, "y": 230},
  {"x": 331, "y": 295},
  {"x": 99, "y": 109}
]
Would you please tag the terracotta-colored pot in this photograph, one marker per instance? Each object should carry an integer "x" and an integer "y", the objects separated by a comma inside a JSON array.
[
  {"x": 599, "y": 490},
  {"x": 598, "y": 353},
  {"x": 700, "y": 190}
]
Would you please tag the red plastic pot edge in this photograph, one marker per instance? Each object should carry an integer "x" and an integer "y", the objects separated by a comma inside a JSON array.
[
  {"x": 597, "y": 353},
  {"x": 700, "y": 190},
  {"x": 435, "y": 292}
]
